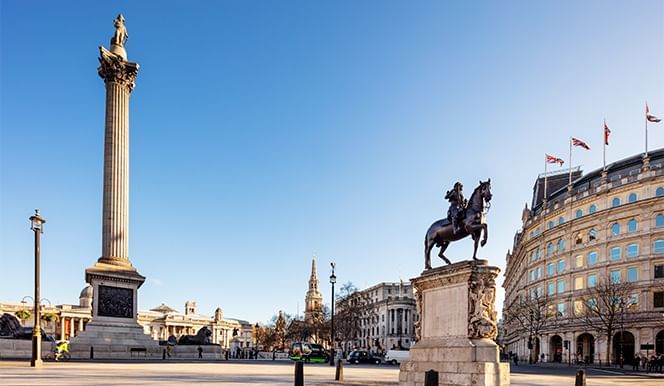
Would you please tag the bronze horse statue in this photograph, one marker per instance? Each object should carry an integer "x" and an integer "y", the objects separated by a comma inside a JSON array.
[{"x": 441, "y": 232}]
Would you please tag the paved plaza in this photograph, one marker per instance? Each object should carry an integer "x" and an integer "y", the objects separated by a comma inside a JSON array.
[{"x": 266, "y": 373}]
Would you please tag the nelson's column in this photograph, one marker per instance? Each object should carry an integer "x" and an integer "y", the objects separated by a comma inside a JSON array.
[{"x": 114, "y": 329}]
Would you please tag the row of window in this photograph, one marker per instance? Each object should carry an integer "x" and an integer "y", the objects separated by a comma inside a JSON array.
[
  {"x": 616, "y": 201},
  {"x": 559, "y": 246},
  {"x": 615, "y": 253}
]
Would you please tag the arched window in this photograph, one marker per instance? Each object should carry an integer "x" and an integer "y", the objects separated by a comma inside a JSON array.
[
  {"x": 561, "y": 245},
  {"x": 539, "y": 253},
  {"x": 658, "y": 246},
  {"x": 538, "y": 231},
  {"x": 592, "y": 234},
  {"x": 561, "y": 220},
  {"x": 561, "y": 266},
  {"x": 659, "y": 220},
  {"x": 532, "y": 255},
  {"x": 615, "y": 202},
  {"x": 592, "y": 209},
  {"x": 632, "y": 197},
  {"x": 631, "y": 226},
  {"x": 659, "y": 192},
  {"x": 549, "y": 249},
  {"x": 615, "y": 229},
  {"x": 578, "y": 239},
  {"x": 579, "y": 213},
  {"x": 531, "y": 234},
  {"x": 549, "y": 225}
]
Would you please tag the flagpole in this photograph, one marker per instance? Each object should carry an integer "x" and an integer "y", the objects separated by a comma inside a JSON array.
[
  {"x": 545, "y": 176},
  {"x": 570, "y": 162},
  {"x": 604, "y": 148},
  {"x": 646, "y": 117}
]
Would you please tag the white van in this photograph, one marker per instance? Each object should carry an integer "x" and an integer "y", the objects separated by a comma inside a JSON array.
[{"x": 396, "y": 356}]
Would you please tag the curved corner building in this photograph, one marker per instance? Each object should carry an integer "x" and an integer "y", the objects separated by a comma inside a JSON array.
[{"x": 606, "y": 224}]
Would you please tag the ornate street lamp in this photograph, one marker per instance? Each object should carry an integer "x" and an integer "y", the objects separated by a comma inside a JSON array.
[
  {"x": 333, "y": 279},
  {"x": 37, "y": 226}
]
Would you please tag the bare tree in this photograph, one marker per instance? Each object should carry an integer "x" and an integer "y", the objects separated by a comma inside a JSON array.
[
  {"x": 531, "y": 315},
  {"x": 609, "y": 307}
]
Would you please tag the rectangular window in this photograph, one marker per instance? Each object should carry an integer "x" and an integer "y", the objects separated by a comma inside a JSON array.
[
  {"x": 561, "y": 266},
  {"x": 632, "y": 250},
  {"x": 551, "y": 289},
  {"x": 578, "y": 307},
  {"x": 532, "y": 275},
  {"x": 632, "y": 274},
  {"x": 539, "y": 272},
  {"x": 561, "y": 309},
  {"x": 539, "y": 292},
  {"x": 592, "y": 258},
  {"x": 659, "y": 271},
  {"x": 592, "y": 280},
  {"x": 633, "y": 301},
  {"x": 550, "y": 269},
  {"x": 615, "y": 276},
  {"x": 532, "y": 294},
  {"x": 614, "y": 253},
  {"x": 578, "y": 261},
  {"x": 658, "y": 299},
  {"x": 578, "y": 283},
  {"x": 561, "y": 286}
]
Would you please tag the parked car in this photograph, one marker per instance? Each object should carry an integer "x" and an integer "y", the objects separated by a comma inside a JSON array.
[
  {"x": 397, "y": 356},
  {"x": 362, "y": 356},
  {"x": 308, "y": 352}
]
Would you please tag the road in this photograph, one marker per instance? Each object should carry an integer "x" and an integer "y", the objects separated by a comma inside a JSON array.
[{"x": 266, "y": 373}]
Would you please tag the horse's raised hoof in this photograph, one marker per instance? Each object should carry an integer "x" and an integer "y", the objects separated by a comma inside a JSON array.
[{"x": 483, "y": 242}]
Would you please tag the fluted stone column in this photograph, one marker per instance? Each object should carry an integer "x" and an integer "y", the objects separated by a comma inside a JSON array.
[{"x": 119, "y": 76}]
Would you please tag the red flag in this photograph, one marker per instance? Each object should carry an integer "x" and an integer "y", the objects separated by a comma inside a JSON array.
[
  {"x": 553, "y": 160},
  {"x": 578, "y": 142},
  {"x": 650, "y": 117},
  {"x": 607, "y": 131}
]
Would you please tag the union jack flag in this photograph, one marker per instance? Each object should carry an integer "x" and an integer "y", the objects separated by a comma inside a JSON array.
[
  {"x": 578, "y": 142},
  {"x": 554, "y": 160},
  {"x": 650, "y": 117},
  {"x": 607, "y": 131}
]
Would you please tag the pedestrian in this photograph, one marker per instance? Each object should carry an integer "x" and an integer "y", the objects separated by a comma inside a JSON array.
[
  {"x": 168, "y": 351},
  {"x": 635, "y": 362},
  {"x": 200, "y": 352},
  {"x": 516, "y": 359}
]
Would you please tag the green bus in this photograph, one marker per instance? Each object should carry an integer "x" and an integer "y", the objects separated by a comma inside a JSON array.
[{"x": 308, "y": 352}]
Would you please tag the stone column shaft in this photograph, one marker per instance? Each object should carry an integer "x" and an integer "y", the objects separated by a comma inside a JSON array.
[{"x": 115, "y": 223}]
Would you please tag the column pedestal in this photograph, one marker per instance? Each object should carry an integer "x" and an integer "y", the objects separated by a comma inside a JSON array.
[{"x": 456, "y": 328}]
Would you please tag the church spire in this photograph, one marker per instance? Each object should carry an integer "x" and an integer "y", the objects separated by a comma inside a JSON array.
[
  {"x": 313, "y": 280},
  {"x": 314, "y": 299}
]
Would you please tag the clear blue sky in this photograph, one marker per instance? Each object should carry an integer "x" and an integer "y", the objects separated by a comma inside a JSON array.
[{"x": 263, "y": 132}]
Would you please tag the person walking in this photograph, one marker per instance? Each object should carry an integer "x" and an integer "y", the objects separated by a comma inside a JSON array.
[{"x": 200, "y": 352}]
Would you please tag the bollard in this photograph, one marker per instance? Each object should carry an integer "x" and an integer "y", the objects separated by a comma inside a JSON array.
[
  {"x": 299, "y": 373},
  {"x": 580, "y": 378},
  {"x": 339, "y": 374},
  {"x": 92, "y": 352},
  {"x": 163, "y": 355},
  {"x": 431, "y": 378}
]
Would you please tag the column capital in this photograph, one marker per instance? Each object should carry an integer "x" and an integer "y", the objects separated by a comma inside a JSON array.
[{"x": 114, "y": 68}]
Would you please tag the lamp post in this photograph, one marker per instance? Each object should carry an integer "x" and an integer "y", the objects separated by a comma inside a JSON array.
[
  {"x": 333, "y": 279},
  {"x": 37, "y": 227}
]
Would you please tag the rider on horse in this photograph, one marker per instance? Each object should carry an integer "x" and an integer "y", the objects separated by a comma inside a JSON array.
[{"x": 457, "y": 205}]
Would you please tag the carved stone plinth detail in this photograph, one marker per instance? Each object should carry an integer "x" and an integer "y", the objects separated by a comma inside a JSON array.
[{"x": 456, "y": 327}]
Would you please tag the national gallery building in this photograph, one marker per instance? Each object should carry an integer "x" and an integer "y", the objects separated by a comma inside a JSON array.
[{"x": 606, "y": 227}]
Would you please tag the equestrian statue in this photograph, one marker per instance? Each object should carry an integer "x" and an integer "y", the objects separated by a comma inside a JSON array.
[{"x": 463, "y": 218}]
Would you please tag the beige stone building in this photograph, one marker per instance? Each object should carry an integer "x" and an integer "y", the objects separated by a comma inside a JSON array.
[
  {"x": 63, "y": 320},
  {"x": 607, "y": 225},
  {"x": 387, "y": 317},
  {"x": 159, "y": 322}
]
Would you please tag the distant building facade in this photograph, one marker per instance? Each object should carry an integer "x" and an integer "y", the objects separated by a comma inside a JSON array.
[
  {"x": 387, "y": 317},
  {"x": 607, "y": 224}
]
